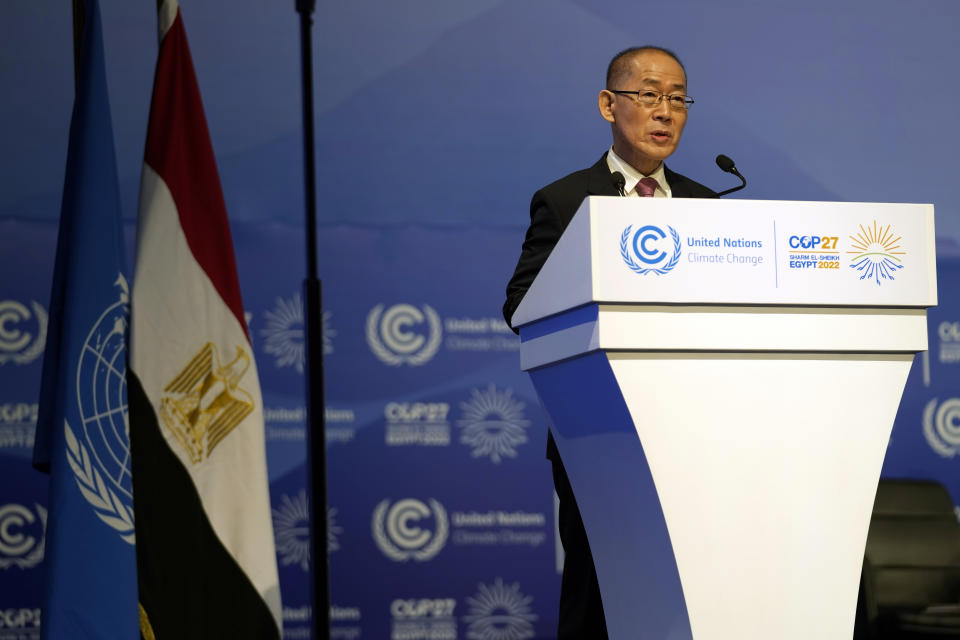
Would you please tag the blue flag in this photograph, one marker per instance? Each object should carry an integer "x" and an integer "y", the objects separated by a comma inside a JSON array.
[{"x": 90, "y": 587}]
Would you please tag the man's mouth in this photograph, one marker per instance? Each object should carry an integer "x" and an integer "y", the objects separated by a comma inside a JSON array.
[{"x": 660, "y": 136}]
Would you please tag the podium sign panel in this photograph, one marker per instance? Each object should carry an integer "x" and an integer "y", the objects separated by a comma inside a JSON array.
[
  {"x": 722, "y": 378},
  {"x": 739, "y": 252}
]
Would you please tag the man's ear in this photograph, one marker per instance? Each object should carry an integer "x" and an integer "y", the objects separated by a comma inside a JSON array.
[{"x": 606, "y": 105}]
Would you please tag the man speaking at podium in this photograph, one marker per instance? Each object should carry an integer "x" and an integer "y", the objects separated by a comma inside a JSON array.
[{"x": 646, "y": 103}]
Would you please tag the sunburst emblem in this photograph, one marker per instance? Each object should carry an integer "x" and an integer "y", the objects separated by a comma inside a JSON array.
[
  {"x": 291, "y": 526},
  {"x": 499, "y": 612},
  {"x": 493, "y": 424},
  {"x": 284, "y": 333},
  {"x": 875, "y": 253}
]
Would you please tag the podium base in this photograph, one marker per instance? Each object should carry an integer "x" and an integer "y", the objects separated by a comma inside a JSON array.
[{"x": 726, "y": 495}]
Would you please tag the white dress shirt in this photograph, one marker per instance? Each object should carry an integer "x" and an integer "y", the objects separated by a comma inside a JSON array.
[{"x": 632, "y": 177}]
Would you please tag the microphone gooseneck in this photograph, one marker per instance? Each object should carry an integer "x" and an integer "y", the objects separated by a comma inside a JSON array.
[{"x": 726, "y": 164}]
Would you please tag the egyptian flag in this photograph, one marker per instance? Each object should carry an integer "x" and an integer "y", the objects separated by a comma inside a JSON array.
[{"x": 206, "y": 560}]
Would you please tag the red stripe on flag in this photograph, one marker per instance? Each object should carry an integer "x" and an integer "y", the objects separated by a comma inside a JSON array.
[{"x": 179, "y": 150}]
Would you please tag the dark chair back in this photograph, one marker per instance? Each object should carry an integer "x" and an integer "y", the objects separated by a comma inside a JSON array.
[{"x": 912, "y": 556}]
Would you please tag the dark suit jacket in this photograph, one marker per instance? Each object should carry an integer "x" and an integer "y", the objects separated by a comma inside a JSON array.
[
  {"x": 551, "y": 210},
  {"x": 553, "y": 207}
]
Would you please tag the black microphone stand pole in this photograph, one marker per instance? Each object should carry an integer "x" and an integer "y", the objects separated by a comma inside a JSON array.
[
  {"x": 78, "y": 19},
  {"x": 313, "y": 323}
]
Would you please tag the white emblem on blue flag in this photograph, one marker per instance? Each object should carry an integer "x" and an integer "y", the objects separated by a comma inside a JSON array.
[{"x": 98, "y": 448}]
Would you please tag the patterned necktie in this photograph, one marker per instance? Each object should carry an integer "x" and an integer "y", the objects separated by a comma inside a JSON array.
[{"x": 646, "y": 187}]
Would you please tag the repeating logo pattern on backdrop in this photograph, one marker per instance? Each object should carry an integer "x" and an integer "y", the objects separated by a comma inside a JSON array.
[
  {"x": 650, "y": 246},
  {"x": 404, "y": 334},
  {"x": 941, "y": 426},
  {"x": 286, "y": 336},
  {"x": 499, "y": 612},
  {"x": 875, "y": 253},
  {"x": 100, "y": 456},
  {"x": 18, "y": 424},
  {"x": 402, "y": 530},
  {"x": 291, "y": 528},
  {"x": 23, "y": 334},
  {"x": 22, "y": 536},
  {"x": 344, "y": 622},
  {"x": 20, "y": 624},
  {"x": 423, "y": 618},
  {"x": 949, "y": 334},
  {"x": 417, "y": 423},
  {"x": 496, "y": 612},
  {"x": 493, "y": 424}
]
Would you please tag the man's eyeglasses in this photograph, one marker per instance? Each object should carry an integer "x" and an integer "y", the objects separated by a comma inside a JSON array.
[{"x": 649, "y": 97}]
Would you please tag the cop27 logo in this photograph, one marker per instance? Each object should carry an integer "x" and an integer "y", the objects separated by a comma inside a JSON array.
[
  {"x": 402, "y": 530},
  {"x": 875, "y": 253},
  {"x": 403, "y": 334},
  {"x": 649, "y": 246}
]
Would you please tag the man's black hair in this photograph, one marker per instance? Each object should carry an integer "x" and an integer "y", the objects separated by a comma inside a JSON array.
[{"x": 620, "y": 65}]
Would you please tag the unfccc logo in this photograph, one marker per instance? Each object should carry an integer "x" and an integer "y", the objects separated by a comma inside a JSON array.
[
  {"x": 22, "y": 536},
  {"x": 17, "y": 343},
  {"x": 400, "y": 531},
  {"x": 941, "y": 426},
  {"x": 393, "y": 334},
  {"x": 649, "y": 245}
]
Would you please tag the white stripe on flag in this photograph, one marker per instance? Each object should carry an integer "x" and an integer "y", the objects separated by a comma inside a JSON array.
[{"x": 177, "y": 311}]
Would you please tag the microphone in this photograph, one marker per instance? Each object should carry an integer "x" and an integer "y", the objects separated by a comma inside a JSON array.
[
  {"x": 619, "y": 181},
  {"x": 726, "y": 164}
]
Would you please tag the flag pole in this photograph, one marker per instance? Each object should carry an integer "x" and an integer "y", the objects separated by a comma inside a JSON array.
[
  {"x": 77, "y": 41},
  {"x": 316, "y": 431}
]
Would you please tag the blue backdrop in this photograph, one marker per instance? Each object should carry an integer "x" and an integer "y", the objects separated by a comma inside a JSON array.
[{"x": 435, "y": 123}]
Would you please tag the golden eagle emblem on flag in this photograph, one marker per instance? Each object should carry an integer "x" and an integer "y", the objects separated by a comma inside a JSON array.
[{"x": 204, "y": 403}]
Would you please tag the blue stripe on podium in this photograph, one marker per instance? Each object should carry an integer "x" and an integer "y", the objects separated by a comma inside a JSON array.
[
  {"x": 608, "y": 470},
  {"x": 565, "y": 320}
]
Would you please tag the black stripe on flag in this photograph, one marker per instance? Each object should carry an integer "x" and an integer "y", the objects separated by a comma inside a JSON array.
[{"x": 190, "y": 586}]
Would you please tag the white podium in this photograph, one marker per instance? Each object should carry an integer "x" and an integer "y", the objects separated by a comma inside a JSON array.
[{"x": 721, "y": 379}]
